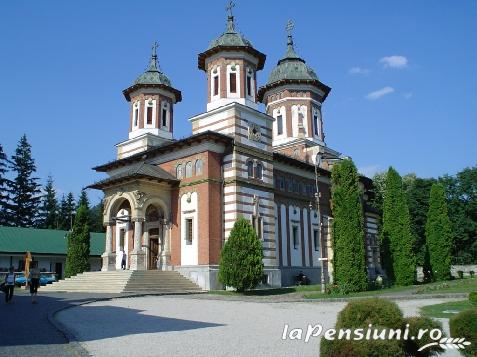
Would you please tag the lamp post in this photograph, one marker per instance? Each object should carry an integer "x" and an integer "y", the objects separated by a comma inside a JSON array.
[{"x": 319, "y": 157}]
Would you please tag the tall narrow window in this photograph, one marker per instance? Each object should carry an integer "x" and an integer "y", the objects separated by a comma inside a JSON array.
[
  {"x": 250, "y": 168},
  {"x": 188, "y": 170},
  {"x": 216, "y": 85},
  {"x": 179, "y": 171},
  {"x": 249, "y": 82},
  {"x": 164, "y": 113},
  {"x": 258, "y": 171},
  {"x": 280, "y": 124},
  {"x": 149, "y": 115},
  {"x": 316, "y": 240},
  {"x": 136, "y": 114},
  {"x": 295, "y": 237},
  {"x": 199, "y": 167},
  {"x": 233, "y": 82},
  {"x": 315, "y": 123},
  {"x": 189, "y": 231}
]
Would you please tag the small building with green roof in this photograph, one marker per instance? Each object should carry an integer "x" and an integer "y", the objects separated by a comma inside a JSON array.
[{"x": 47, "y": 247}]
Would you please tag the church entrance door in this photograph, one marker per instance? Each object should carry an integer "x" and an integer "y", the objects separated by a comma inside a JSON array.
[{"x": 153, "y": 253}]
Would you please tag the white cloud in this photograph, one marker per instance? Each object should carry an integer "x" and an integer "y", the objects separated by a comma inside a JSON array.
[
  {"x": 369, "y": 170},
  {"x": 394, "y": 61},
  {"x": 379, "y": 93},
  {"x": 408, "y": 95},
  {"x": 359, "y": 70}
]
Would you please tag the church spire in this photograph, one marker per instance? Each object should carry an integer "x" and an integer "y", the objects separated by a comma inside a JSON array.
[
  {"x": 230, "y": 18},
  {"x": 290, "y": 46},
  {"x": 153, "y": 65}
]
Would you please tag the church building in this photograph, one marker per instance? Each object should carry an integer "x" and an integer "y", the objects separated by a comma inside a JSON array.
[{"x": 171, "y": 204}]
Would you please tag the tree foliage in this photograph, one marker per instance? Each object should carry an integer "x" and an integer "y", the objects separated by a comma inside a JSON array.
[
  {"x": 4, "y": 184},
  {"x": 77, "y": 256},
  {"x": 24, "y": 188},
  {"x": 241, "y": 258},
  {"x": 67, "y": 209},
  {"x": 438, "y": 234},
  {"x": 396, "y": 239},
  {"x": 349, "y": 255},
  {"x": 49, "y": 207}
]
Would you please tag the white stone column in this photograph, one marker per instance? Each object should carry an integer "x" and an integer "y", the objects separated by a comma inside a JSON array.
[
  {"x": 109, "y": 259},
  {"x": 166, "y": 252},
  {"x": 137, "y": 256}
]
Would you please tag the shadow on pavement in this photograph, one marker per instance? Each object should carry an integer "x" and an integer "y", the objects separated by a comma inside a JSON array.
[{"x": 112, "y": 321}]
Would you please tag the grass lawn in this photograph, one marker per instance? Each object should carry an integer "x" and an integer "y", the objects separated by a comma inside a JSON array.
[
  {"x": 314, "y": 291},
  {"x": 447, "y": 309}
]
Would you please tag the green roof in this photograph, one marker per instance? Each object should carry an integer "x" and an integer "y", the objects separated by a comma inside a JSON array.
[
  {"x": 230, "y": 37},
  {"x": 153, "y": 74},
  {"x": 42, "y": 241},
  {"x": 291, "y": 67}
]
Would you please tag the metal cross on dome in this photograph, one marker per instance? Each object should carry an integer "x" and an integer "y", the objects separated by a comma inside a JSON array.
[
  {"x": 289, "y": 27},
  {"x": 229, "y": 8},
  {"x": 155, "y": 45}
]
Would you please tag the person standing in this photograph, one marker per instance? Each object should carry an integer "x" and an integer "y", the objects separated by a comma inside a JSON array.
[
  {"x": 9, "y": 285},
  {"x": 123, "y": 260},
  {"x": 34, "y": 281}
]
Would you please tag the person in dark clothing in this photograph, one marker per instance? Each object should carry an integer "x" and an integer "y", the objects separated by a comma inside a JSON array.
[
  {"x": 9, "y": 285},
  {"x": 123, "y": 260},
  {"x": 34, "y": 281}
]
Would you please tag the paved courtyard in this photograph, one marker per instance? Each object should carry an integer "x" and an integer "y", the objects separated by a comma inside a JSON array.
[{"x": 188, "y": 326}]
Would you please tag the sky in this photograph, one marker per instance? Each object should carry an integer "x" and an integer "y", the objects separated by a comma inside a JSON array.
[{"x": 403, "y": 75}]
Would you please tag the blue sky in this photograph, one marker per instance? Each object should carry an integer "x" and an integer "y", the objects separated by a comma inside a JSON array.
[{"x": 403, "y": 75}]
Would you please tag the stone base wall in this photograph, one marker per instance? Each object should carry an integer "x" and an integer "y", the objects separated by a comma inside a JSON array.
[{"x": 207, "y": 276}]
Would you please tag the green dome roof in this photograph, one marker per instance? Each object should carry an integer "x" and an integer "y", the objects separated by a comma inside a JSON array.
[
  {"x": 230, "y": 37},
  {"x": 291, "y": 67},
  {"x": 153, "y": 74}
]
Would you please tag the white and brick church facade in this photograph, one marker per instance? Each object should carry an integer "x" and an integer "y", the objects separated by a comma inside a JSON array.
[{"x": 171, "y": 204}]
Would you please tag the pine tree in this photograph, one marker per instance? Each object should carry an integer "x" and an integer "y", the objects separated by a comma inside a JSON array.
[
  {"x": 97, "y": 217},
  {"x": 399, "y": 259},
  {"x": 241, "y": 264},
  {"x": 4, "y": 191},
  {"x": 348, "y": 228},
  {"x": 49, "y": 207},
  {"x": 438, "y": 234},
  {"x": 78, "y": 251},
  {"x": 83, "y": 199},
  {"x": 24, "y": 188},
  {"x": 67, "y": 208}
]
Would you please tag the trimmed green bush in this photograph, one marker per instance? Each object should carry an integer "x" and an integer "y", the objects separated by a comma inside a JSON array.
[
  {"x": 473, "y": 297},
  {"x": 464, "y": 324},
  {"x": 412, "y": 346},
  {"x": 438, "y": 234},
  {"x": 374, "y": 311},
  {"x": 397, "y": 242},
  {"x": 78, "y": 249},
  {"x": 241, "y": 264},
  {"x": 349, "y": 264},
  {"x": 363, "y": 348}
]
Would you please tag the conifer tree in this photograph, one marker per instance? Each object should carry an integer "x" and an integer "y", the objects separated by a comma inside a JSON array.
[
  {"x": 78, "y": 251},
  {"x": 67, "y": 208},
  {"x": 97, "y": 217},
  {"x": 348, "y": 228},
  {"x": 49, "y": 207},
  {"x": 438, "y": 234},
  {"x": 4, "y": 192},
  {"x": 241, "y": 264},
  {"x": 399, "y": 259},
  {"x": 24, "y": 188},
  {"x": 83, "y": 199}
]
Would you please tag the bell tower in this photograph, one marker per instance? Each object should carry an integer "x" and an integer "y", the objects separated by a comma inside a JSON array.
[
  {"x": 151, "y": 120},
  {"x": 231, "y": 63}
]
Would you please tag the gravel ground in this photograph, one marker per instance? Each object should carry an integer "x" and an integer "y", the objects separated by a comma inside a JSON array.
[{"x": 184, "y": 326}]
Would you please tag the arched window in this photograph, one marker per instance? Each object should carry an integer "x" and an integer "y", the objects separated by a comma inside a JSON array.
[
  {"x": 199, "y": 166},
  {"x": 188, "y": 169},
  {"x": 250, "y": 168},
  {"x": 215, "y": 82},
  {"x": 258, "y": 171},
  {"x": 165, "y": 115},
  {"x": 136, "y": 114},
  {"x": 233, "y": 79},
  {"x": 179, "y": 171},
  {"x": 249, "y": 83}
]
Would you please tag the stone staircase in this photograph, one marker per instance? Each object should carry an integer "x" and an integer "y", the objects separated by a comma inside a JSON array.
[{"x": 125, "y": 281}]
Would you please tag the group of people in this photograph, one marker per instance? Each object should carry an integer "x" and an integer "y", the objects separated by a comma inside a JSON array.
[{"x": 33, "y": 280}]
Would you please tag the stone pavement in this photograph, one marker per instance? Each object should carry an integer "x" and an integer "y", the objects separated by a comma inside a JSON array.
[
  {"x": 25, "y": 329},
  {"x": 192, "y": 326}
]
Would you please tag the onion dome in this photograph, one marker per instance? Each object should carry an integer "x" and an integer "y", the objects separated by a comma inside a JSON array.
[
  {"x": 230, "y": 40},
  {"x": 291, "y": 69},
  {"x": 153, "y": 77}
]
